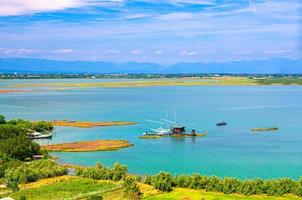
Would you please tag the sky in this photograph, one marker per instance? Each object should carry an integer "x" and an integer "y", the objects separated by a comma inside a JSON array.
[{"x": 159, "y": 31}]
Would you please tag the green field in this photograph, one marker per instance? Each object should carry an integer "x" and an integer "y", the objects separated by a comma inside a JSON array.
[
  {"x": 71, "y": 188},
  {"x": 188, "y": 194},
  {"x": 77, "y": 188}
]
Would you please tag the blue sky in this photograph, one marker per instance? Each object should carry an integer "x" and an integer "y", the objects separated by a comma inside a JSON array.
[{"x": 161, "y": 31}]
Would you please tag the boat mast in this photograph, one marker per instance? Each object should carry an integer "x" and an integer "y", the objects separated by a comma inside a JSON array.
[
  {"x": 175, "y": 116},
  {"x": 166, "y": 119}
]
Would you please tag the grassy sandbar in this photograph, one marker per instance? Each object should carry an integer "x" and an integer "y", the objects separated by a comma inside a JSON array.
[
  {"x": 89, "y": 124},
  {"x": 85, "y": 146}
]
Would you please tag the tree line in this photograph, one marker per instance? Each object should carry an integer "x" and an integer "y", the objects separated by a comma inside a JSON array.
[
  {"x": 276, "y": 187},
  {"x": 165, "y": 182}
]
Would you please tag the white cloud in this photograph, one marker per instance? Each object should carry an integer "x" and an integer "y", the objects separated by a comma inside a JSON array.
[
  {"x": 159, "y": 52},
  {"x": 113, "y": 51},
  {"x": 136, "y": 52},
  {"x": 20, "y": 7},
  {"x": 137, "y": 16},
  {"x": 188, "y": 53},
  {"x": 20, "y": 51},
  {"x": 63, "y": 51},
  {"x": 198, "y": 2},
  {"x": 247, "y": 52},
  {"x": 276, "y": 51}
]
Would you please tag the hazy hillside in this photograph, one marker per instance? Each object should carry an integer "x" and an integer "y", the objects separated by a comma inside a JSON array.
[{"x": 10, "y": 65}]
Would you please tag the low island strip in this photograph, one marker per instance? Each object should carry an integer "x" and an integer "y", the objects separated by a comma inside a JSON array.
[
  {"x": 80, "y": 124},
  {"x": 86, "y": 146},
  {"x": 16, "y": 91},
  {"x": 265, "y": 129}
]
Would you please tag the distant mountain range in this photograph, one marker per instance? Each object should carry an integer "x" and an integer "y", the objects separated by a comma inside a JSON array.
[{"x": 28, "y": 65}]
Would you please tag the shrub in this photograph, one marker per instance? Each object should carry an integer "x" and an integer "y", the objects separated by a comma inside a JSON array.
[
  {"x": 148, "y": 179},
  {"x": 2, "y": 119},
  {"x": 119, "y": 172},
  {"x": 198, "y": 182},
  {"x": 100, "y": 172},
  {"x": 131, "y": 189},
  {"x": 230, "y": 185},
  {"x": 34, "y": 171},
  {"x": 213, "y": 183},
  {"x": 162, "y": 181}
]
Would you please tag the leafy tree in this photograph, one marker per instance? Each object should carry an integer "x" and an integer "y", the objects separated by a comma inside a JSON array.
[
  {"x": 34, "y": 171},
  {"x": 213, "y": 184},
  {"x": 131, "y": 189},
  {"x": 100, "y": 172},
  {"x": 8, "y": 131},
  {"x": 230, "y": 185},
  {"x": 148, "y": 180},
  {"x": 19, "y": 147},
  {"x": 2, "y": 119},
  {"x": 183, "y": 181},
  {"x": 119, "y": 171},
  {"x": 162, "y": 181}
]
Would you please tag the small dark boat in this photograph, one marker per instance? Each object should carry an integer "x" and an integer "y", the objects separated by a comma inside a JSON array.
[{"x": 223, "y": 123}]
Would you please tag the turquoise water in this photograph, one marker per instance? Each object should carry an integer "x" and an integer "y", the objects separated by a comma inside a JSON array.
[{"x": 227, "y": 151}]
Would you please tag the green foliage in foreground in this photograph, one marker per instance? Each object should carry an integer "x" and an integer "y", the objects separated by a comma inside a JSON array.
[
  {"x": 32, "y": 172},
  {"x": 162, "y": 181},
  {"x": 77, "y": 188},
  {"x": 100, "y": 172},
  {"x": 2, "y": 119},
  {"x": 131, "y": 189},
  {"x": 278, "y": 187}
]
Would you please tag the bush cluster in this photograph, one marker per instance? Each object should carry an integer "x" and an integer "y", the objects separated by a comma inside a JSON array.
[
  {"x": 277, "y": 187},
  {"x": 33, "y": 171},
  {"x": 39, "y": 126},
  {"x": 13, "y": 138},
  {"x": 101, "y": 172},
  {"x": 131, "y": 190}
]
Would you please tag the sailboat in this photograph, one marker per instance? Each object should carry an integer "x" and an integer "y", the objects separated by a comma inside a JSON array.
[
  {"x": 158, "y": 131},
  {"x": 38, "y": 135}
]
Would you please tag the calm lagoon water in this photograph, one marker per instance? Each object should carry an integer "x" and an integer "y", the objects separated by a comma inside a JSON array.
[{"x": 227, "y": 151}]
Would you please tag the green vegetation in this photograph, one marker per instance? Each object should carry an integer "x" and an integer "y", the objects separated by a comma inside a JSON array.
[
  {"x": 14, "y": 144},
  {"x": 33, "y": 171},
  {"x": 105, "y": 182},
  {"x": 130, "y": 188},
  {"x": 288, "y": 80},
  {"x": 16, "y": 148},
  {"x": 265, "y": 129},
  {"x": 278, "y": 187},
  {"x": 161, "y": 181},
  {"x": 225, "y": 80},
  {"x": 39, "y": 126},
  {"x": 78, "y": 188},
  {"x": 100, "y": 172}
]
